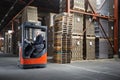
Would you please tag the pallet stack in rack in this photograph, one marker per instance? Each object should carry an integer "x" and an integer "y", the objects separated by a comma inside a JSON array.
[
  {"x": 77, "y": 24},
  {"x": 103, "y": 47},
  {"x": 77, "y": 48},
  {"x": 62, "y": 38},
  {"x": 77, "y": 37},
  {"x": 8, "y": 43},
  {"x": 90, "y": 48},
  {"x": 105, "y": 8},
  {"x": 50, "y": 33},
  {"x": 90, "y": 39},
  {"x": 74, "y": 4},
  {"x": 78, "y": 5},
  {"x": 30, "y": 14},
  {"x": 90, "y": 27},
  {"x": 16, "y": 38}
]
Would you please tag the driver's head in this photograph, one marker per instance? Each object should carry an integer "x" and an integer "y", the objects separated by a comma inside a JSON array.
[{"x": 38, "y": 32}]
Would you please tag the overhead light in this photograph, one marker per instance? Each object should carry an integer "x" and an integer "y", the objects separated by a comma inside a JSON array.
[
  {"x": 2, "y": 20},
  {"x": 6, "y": 15},
  {"x": 1, "y": 38}
]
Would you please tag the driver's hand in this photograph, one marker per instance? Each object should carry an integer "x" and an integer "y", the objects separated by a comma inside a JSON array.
[
  {"x": 32, "y": 42},
  {"x": 27, "y": 41}
]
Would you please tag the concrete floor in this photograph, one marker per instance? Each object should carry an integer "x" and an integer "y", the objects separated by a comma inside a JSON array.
[{"x": 83, "y": 70}]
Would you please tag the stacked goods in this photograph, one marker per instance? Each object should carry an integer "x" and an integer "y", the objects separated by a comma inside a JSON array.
[
  {"x": 74, "y": 4},
  {"x": 90, "y": 39},
  {"x": 8, "y": 43},
  {"x": 77, "y": 31},
  {"x": 50, "y": 37},
  {"x": 77, "y": 28},
  {"x": 77, "y": 4},
  {"x": 63, "y": 23},
  {"x": 108, "y": 29},
  {"x": 50, "y": 33},
  {"x": 62, "y": 37},
  {"x": 77, "y": 37},
  {"x": 63, "y": 6},
  {"x": 103, "y": 49},
  {"x": 90, "y": 48},
  {"x": 16, "y": 38},
  {"x": 62, "y": 58},
  {"x": 98, "y": 30},
  {"x": 30, "y": 14},
  {"x": 90, "y": 27},
  {"x": 1, "y": 45},
  {"x": 10, "y": 49},
  {"x": 77, "y": 48},
  {"x": 105, "y": 7},
  {"x": 50, "y": 19}
]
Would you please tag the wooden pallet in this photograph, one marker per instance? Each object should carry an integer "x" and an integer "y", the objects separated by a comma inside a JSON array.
[
  {"x": 90, "y": 35},
  {"x": 62, "y": 58}
]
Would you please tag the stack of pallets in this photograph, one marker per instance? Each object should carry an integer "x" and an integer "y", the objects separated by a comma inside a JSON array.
[
  {"x": 74, "y": 4},
  {"x": 62, "y": 38},
  {"x": 50, "y": 33}
]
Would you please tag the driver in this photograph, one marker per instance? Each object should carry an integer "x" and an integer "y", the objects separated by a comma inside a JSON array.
[
  {"x": 36, "y": 46},
  {"x": 38, "y": 41}
]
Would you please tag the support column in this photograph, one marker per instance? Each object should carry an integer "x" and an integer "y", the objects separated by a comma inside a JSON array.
[
  {"x": 116, "y": 27},
  {"x": 68, "y": 6}
]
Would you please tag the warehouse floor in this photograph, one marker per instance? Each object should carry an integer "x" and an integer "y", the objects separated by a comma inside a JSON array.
[{"x": 83, "y": 70}]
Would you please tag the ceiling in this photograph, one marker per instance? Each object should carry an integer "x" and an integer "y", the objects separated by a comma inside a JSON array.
[{"x": 7, "y": 12}]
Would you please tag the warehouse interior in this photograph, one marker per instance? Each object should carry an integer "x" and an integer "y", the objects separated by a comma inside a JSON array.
[{"x": 81, "y": 39}]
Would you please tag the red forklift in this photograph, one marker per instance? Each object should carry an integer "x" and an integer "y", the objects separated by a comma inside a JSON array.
[{"x": 33, "y": 55}]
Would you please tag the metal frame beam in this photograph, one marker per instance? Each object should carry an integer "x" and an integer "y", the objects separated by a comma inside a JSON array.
[
  {"x": 68, "y": 6},
  {"x": 116, "y": 27},
  {"x": 19, "y": 13}
]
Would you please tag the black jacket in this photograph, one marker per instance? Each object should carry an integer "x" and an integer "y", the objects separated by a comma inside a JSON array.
[{"x": 39, "y": 40}]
